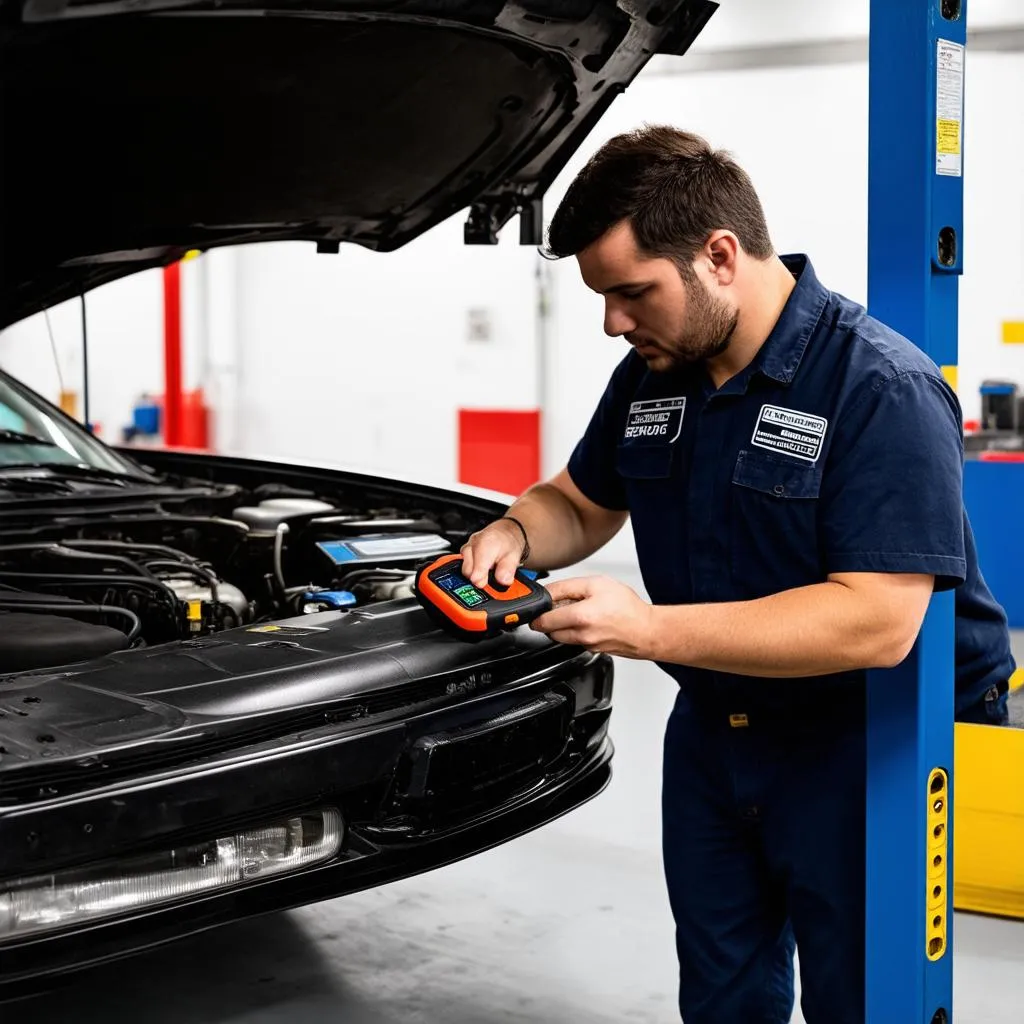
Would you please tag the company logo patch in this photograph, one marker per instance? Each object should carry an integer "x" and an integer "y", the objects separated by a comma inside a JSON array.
[
  {"x": 791, "y": 433},
  {"x": 659, "y": 418}
]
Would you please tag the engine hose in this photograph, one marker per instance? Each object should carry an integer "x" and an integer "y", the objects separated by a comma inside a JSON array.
[
  {"x": 282, "y": 529},
  {"x": 354, "y": 576},
  {"x": 72, "y": 608},
  {"x": 154, "y": 587}
]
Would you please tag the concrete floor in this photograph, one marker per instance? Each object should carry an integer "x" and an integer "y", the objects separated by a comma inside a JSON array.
[{"x": 567, "y": 924}]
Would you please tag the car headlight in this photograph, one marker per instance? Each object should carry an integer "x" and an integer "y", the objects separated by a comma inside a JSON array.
[{"x": 81, "y": 895}]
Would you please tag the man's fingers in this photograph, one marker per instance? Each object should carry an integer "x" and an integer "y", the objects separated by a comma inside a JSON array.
[
  {"x": 481, "y": 569},
  {"x": 569, "y": 590},
  {"x": 478, "y": 561},
  {"x": 566, "y": 596},
  {"x": 505, "y": 570},
  {"x": 572, "y": 637},
  {"x": 566, "y": 617}
]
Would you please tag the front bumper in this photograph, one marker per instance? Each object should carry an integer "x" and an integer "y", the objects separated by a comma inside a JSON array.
[{"x": 416, "y": 793}]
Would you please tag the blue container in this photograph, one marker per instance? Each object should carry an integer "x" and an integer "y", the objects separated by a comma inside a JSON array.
[
  {"x": 146, "y": 419},
  {"x": 994, "y": 496}
]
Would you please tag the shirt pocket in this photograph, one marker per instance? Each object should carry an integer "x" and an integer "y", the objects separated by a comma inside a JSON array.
[{"x": 773, "y": 524}]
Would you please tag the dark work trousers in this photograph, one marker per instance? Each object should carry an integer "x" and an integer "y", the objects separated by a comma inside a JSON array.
[{"x": 763, "y": 835}]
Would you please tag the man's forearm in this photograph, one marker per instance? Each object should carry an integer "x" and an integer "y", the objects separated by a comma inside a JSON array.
[
  {"x": 557, "y": 534},
  {"x": 808, "y": 631}
]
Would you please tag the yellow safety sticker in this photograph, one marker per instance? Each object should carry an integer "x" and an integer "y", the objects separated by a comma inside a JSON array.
[
  {"x": 948, "y": 137},
  {"x": 949, "y": 107},
  {"x": 287, "y": 630}
]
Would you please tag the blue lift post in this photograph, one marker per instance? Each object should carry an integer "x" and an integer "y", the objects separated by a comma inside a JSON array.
[{"x": 915, "y": 247}]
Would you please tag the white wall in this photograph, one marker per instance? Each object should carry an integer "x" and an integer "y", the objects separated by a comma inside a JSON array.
[
  {"x": 363, "y": 358},
  {"x": 992, "y": 286},
  {"x": 754, "y": 23},
  {"x": 749, "y": 23},
  {"x": 125, "y": 324},
  {"x": 125, "y": 321}
]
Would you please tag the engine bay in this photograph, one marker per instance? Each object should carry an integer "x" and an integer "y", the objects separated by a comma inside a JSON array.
[{"x": 85, "y": 583}]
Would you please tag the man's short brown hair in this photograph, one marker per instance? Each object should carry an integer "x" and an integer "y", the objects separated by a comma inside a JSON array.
[{"x": 673, "y": 188}]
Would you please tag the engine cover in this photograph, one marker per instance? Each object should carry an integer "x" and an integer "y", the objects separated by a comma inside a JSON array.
[{"x": 29, "y": 641}]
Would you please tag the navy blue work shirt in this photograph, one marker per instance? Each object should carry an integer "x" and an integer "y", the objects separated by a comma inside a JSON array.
[{"x": 838, "y": 449}]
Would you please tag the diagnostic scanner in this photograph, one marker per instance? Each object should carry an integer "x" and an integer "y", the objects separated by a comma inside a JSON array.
[{"x": 475, "y": 613}]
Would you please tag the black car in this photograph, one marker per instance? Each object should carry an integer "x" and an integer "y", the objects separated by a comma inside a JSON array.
[{"x": 218, "y": 694}]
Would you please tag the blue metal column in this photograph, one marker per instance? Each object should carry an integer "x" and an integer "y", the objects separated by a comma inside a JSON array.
[{"x": 915, "y": 246}]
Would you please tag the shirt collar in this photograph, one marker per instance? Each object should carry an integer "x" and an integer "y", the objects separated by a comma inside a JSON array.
[{"x": 779, "y": 357}]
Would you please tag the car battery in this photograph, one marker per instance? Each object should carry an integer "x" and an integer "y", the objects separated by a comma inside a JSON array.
[{"x": 382, "y": 551}]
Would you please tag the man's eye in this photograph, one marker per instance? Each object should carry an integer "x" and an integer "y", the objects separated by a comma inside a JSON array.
[{"x": 634, "y": 295}]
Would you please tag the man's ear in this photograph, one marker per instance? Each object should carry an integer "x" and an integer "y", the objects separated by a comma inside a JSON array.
[{"x": 721, "y": 252}]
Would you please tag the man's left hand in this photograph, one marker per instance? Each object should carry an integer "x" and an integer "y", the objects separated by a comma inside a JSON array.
[{"x": 601, "y": 615}]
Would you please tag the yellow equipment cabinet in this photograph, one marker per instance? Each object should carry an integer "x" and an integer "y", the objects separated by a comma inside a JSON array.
[{"x": 988, "y": 824}]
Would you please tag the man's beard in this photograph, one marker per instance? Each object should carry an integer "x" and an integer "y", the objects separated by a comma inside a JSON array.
[{"x": 705, "y": 334}]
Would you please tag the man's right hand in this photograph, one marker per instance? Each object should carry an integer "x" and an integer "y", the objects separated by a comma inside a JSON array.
[{"x": 498, "y": 546}]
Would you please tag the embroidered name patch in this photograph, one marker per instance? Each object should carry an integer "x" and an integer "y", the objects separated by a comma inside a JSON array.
[
  {"x": 660, "y": 418},
  {"x": 792, "y": 433}
]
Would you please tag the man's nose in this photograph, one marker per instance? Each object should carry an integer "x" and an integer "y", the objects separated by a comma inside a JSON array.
[{"x": 616, "y": 321}]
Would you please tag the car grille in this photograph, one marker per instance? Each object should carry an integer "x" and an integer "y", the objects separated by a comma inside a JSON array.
[{"x": 451, "y": 772}]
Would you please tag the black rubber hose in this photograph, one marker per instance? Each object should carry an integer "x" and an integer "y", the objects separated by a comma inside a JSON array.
[
  {"x": 153, "y": 587},
  {"x": 60, "y": 550},
  {"x": 71, "y": 609},
  {"x": 120, "y": 545}
]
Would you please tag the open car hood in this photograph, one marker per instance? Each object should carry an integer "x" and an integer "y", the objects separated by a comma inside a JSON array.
[{"x": 135, "y": 130}]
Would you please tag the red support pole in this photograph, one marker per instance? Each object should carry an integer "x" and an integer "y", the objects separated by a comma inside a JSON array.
[{"x": 172, "y": 355}]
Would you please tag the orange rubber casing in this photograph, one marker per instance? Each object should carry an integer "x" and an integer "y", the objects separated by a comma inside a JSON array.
[{"x": 523, "y": 601}]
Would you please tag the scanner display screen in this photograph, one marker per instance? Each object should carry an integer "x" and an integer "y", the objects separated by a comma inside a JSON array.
[{"x": 457, "y": 584}]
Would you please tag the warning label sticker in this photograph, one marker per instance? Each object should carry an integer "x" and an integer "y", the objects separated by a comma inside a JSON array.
[
  {"x": 791, "y": 433},
  {"x": 657, "y": 418},
  {"x": 279, "y": 630},
  {"x": 949, "y": 109}
]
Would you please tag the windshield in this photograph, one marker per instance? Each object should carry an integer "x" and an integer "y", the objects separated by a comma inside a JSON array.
[{"x": 34, "y": 432}]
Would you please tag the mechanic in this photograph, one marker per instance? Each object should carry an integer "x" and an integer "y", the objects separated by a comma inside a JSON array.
[{"x": 792, "y": 469}]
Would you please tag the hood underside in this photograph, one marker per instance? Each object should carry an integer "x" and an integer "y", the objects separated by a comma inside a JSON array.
[{"x": 130, "y": 138}]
